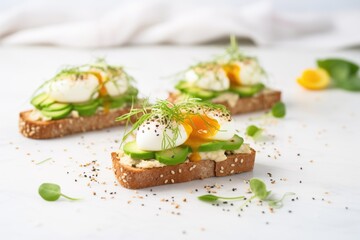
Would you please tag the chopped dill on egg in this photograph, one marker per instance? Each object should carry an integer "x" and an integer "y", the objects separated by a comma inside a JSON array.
[{"x": 170, "y": 115}]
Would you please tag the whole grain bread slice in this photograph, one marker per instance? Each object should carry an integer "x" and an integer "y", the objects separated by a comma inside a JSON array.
[
  {"x": 69, "y": 125},
  {"x": 136, "y": 178},
  {"x": 262, "y": 101}
]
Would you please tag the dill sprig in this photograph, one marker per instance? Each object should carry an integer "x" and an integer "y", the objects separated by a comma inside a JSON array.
[
  {"x": 232, "y": 53},
  {"x": 66, "y": 70},
  {"x": 169, "y": 114}
]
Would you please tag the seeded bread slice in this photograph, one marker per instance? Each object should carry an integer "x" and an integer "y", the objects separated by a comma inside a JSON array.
[
  {"x": 136, "y": 178},
  {"x": 67, "y": 126},
  {"x": 262, "y": 101}
]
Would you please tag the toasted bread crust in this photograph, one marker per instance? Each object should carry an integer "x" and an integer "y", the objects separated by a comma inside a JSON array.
[
  {"x": 262, "y": 101},
  {"x": 67, "y": 126},
  {"x": 136, "y": 178}
]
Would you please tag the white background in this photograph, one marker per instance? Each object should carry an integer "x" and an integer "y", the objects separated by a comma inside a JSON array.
[{"x": 322, "y": 127}]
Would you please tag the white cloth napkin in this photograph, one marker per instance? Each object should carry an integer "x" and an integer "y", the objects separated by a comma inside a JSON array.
[{"x": 92, "y": 24}]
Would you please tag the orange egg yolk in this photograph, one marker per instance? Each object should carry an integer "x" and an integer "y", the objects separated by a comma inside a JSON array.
[
  {"x": 200, "y": 129},
  {"x": 233, "y": 73},
  {"x": 102, "y": 91}
]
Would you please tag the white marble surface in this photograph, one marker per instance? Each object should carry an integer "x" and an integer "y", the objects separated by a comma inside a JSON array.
[{"x": 323, "y": 127}]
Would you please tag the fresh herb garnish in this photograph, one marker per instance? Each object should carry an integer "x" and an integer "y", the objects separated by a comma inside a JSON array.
[
  {"x": 232, "y": 53},
  {"x": 52, "y": 192},
  {"x": 213, "y": 198},
  {"x": 43, "y": 161},
  {"x": 169, "y": 114},
  {"x": 258, "y": 188},
  {"x": 253, "y": 131},
  {"x": 343, "y": 73},
  {"x": 278, "y": 110}
]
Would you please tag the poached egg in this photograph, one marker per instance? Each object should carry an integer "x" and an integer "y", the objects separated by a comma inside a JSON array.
[
  {"x": 88, "y": 83},
  {"x": 71, "y": 88},
  {"x": 209, "y": 77},
  {"x": 198, "y": 127},
  {"x": 114, "y": 80},
  {"x": 247, "y": 72},
  {"x": 219, "y": 77}
]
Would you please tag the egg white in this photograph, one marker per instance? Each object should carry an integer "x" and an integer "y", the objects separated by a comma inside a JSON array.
[
  {"x": 150, "y": 135},
  {"x": 210, "y": 79},
  {"x": 226, "y": 127},
  {"x": 70, "y": 89},
  {"x": 250, "y": 72},
  {"x": 117, "y": 86}
]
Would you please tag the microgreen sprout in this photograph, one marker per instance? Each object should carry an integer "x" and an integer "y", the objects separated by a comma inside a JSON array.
[
  {"x": 213, "y": 198},
  {"x": 52, "y": 192},
  {"x": 258, "y": 188},
  {"x": 278, "y": 110},
  {"x": 253, "y": 131},
  {"x": 43, "y": 161}
]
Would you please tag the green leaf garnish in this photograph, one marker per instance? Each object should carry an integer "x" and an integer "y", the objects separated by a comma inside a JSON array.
[
  {"x": 343, "y": 73},
  {"x": 278, "y": 110},
  {"x": 52, "y": 192},
  {"x": 331, "y": 63},
  {"x": 258, "y": 188},
  {"x": 253, "y": 131},
  {"x": 168, "y": 114}
]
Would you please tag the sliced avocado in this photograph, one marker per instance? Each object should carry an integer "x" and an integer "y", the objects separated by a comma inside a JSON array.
[
  {"x": 117, "y": 102},
  {"x": 194, "y": 91},
  {"x": 183, "y": 85},
  {"x": 87, "y": 109},
  {"x": 173, "y": 156},
  {"x": 248, "y": 90},
  {"x": 56, "y": 107},
  {"x": 233, "y": 144},
  {"x": 48, "y": 101},
  {"x": 200, "y": 93},
  {"x": 210, "y": 146},
  {"x": 134, "y": 152},
  {"x": 57, "y": 114},
  {"x": 38, "y": 99}
]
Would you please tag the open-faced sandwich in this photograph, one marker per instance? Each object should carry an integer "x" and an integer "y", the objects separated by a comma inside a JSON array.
[
  {"x": 232, "y": 79},
  {"x": 178, "y": 143},
  {"x": 79, "y": 99}
]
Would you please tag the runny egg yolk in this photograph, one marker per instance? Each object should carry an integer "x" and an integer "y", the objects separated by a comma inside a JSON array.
[
  {"x": 200, "y": 129},
  {"x": 233, "y": 73},
  {"x": 102, "y": 91}
]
